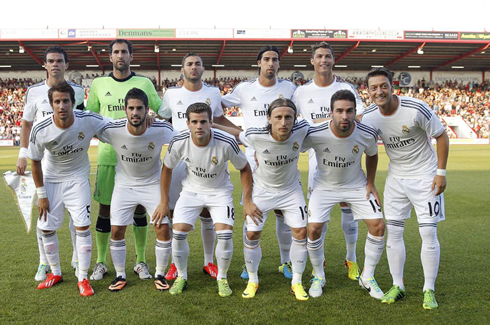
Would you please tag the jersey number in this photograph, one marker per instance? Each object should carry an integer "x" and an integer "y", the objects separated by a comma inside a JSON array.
[
  {"x": 437, "y": 208},
  {"x": 88, "y": 211},
  {"x": 231, "y": 213},
  {"x": 304, "y": 212}
]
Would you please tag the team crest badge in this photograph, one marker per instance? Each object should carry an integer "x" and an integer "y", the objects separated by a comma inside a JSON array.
[
  {"x": 208, "y": 101},
  {"x": 295, "y": 146},
  {"x": 81, "y": 136},
  {"x": 355, "y": 150},
  {"x": 405, "y": 129},
  {"x": 281, "y": 96},
  {"x": 151, "y": 146},
  {"x": 214, "y": 160},
  {"x": 23, "y": 185}
]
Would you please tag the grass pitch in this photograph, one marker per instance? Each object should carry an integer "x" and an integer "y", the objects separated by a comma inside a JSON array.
[{"x": 461, "y": 290}]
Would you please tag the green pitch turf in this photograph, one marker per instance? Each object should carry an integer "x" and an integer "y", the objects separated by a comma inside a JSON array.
[{"x": 462, "y": 288}]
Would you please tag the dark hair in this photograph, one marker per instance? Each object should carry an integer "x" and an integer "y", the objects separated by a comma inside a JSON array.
[
  {"x": 380, "y": 72},
  {"x": 62, "y": 87},
  {"x": 136, "y": 93},
  {"x": 189, "y": 55},
  {"x": 321, "y": 45},
  {"x": 343, "y": 94},
  {"x": 199, "y": 108},
  {"x": 121, "y": 40},
  {"x": 281, "y": 102},
  {"x": 268, "y": 48},
  {"x": 56, "y": 49}
]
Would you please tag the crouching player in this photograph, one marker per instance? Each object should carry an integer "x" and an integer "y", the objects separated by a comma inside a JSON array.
[
  {"x": 207, "y": 184},
  {"x": 62, "y": 180},
  {"x": 339, "y": 145},
  {"x": 137, "y": 182}
]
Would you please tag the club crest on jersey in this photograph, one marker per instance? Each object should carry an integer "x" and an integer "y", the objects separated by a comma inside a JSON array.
[
  {"x": 295, "y": 146},
  {"x": 405, "y": 129},
  {"x": 214, "y": 160},
  {"x": 23, "y": 185},
  {"x": 81, "y": 136},
  {"x": 355, "y": 150},
  {"x": 208, "y": 101},
  {"x": 151, "y": 146}
]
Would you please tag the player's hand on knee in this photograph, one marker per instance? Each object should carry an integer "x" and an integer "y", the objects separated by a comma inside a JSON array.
[
  {"x": 43, "y": 208},
  {"x": 439, "y": 184},
  {"x": 253, "y": 212},
  {"x": 21, "y": 166},
  {"x": 160, "y": 213},
  {"x": 371, "y": 189}
]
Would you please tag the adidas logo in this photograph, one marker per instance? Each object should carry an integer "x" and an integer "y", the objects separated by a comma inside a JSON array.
[
  {"x": 187, "y": 160},
  {"x": 180, "y": 103},
  {"x": 266, "y": 152},
  {"x": 55, "y": 143},
  {"x": 253, "y": 99},
  {"x": 326, "y": 150},
  {"x": 124, "y": 147},
  {"x": 44, "y": 101},
  {"x": 379, "y": 132},
  {"x": 108, "y": 94},
  {"x": 311, "y": 101}
]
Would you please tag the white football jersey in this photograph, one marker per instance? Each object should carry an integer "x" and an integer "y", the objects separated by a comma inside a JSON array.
[
  {"x": 37, "y": 102},
  {"x": 138, "y": 156},
  {"x": 313, "y": 102},
  {"x": 65, "y": 157},
  {"x": 176, "y": 100},
  {"x": 254, "y": 99},
  {"x": 406, "y": 136},
  {"x": 277, "y": 161},
  {"x": 206, "y": 166},
  {"x": 339, "y": 159}
]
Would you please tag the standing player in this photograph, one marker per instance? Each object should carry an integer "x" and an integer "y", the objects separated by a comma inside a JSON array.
[
  {"x": 339, "y": 145},
  {"x": 137, "y": 181},
  {"x": 253, "y": 97},
  {"x": 63, "y": 179},
  {"x": 107, "y": 98},
  {"x": 416, "y": 177},
  {"x": 174, "y": 105},
  {"x": 313, "y": 103},
  {"x": 207, "y": 184},
  {"x": 36, "y": 108}
]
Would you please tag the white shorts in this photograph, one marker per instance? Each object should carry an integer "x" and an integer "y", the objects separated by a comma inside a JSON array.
[
  {"x": 291, "y": 202},
  {"x": 401, "y": 194},
  {"x": 125, "y": 200},
  {"x": 74, "y": 196},
  {"x": 322, "y": 201},
  {"x": 312, "y": 164},
  {"x": 190, "y": 204},
  {"x": 178, "y": 175}
]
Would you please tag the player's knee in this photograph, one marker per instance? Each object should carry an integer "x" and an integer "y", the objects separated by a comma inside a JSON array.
[
  {"x": 251, "y": 243},
  {"x": 163, "y": 232},
  {"x": 253, "y": 235},
  {"x": 395, "y": 230},
  {"x": 103, "y": 224},
  {"x": 82, "y": 228},
  {"x": 299, "y": 233},
  {"x": 428, "y": 233},
  {"x": 118, "y": 232},
  {"x": 315, "y": 230}
]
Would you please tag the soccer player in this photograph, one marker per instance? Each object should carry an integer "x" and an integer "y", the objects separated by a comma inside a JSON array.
[
  {"x": 37, "y": 107},
  {"x": 62, "y": 181},
  {"x": 253, "y": 97},
  {"x": 339, "y": 145},
  {"x": 137, "y": 181},
  {"x": 416, "y": 177},
  {"x": 206, "y": 153},
  {"x": 174, "y": 105},
  {"x": 313, "y": 103},
  {"x": 107, "y": 98}
]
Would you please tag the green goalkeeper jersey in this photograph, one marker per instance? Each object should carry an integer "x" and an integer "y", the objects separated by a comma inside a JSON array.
[{"x": 107, "y": 99}]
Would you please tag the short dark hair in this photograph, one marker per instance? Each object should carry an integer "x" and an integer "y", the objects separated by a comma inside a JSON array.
[
  {"x": 56, "y": 49},
  {"x": 380, "y": 72},
  {"x": 189, "y": 55},
  {"x": 121, "y": 40},
  {"x": 321, "y": 45},
  {"x": 343, "y": 94},
  {"x": 281, "y": 102},
  {"x": 199, "y": 108},
  {"x": 267, "y": 48},
  {"x": 136, "y": 93},
  {"x": 62, "y": 87}
]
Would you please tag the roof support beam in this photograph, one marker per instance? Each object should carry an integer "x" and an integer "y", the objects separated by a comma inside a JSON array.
[
  {"x": 350, "y": 49},
  {"x": 34, "y": 56},
  {"x": 286, "y": 50},
  {"x": 221, "y": 52},
  {"x": 96, "y": 57},
  {"x": 158, "y": 64},
  {"x": 462, "y": 56},
  {"x": 404, "y": 55}
]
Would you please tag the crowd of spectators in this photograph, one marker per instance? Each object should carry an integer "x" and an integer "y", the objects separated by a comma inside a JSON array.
[{"x": 469, "y": 100}]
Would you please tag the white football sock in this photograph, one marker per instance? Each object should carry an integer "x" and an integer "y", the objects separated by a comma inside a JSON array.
[
  {"x": 252, "y": 252},
  {"x": 373, "y": 251},
  {"x": 395, "y": 250},
  {"x": 51, "y": 249},
  {"x": 180, "y": 252},
  {"x": 163, "y": 250},
  {"x": 350, "y": 229},
  {"x": 284, "y": 237},
  {"x": 299, "y": 255},
  {"x": 73, "y": 232},
  {"x": 317, "y": 256},
  {"x": 42, "y": 255},
  {"x": 208, "y": 239},
  {"x": 430, "y": 253},
  {"x": 224, "y": 252},
  {"x": 118, "y": 254},
  {"x": 84, "y": 252}
]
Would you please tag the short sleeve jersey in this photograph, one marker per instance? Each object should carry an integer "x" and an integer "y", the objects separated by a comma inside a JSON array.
[
  {"x": 277, "y": 161},
  {"x": 254, "y": 99},
  {"x": 313, "y": 102},
  {"x": 107, "y": 99},
  {"x": 406, "y": 137},
  {"x": 37, "y": 102},
  {"x": 66, "y": 157},
  {"x": 339, "y": 159},
  {"x": 176, "y": 100},
  {"x": 206, "y": 166},
  {"x": 138, "y": 156}
]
